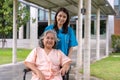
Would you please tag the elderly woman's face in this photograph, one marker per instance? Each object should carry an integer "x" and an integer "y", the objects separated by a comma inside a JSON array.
[{"x": 49, "y": 40}]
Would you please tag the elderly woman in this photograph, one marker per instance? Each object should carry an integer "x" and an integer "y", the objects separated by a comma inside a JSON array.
[{"x": 45, "y": 61}]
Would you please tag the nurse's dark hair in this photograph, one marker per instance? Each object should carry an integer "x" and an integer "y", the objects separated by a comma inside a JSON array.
[
  {"x": 65, "y": 25},
  {"x": 44, "y": 34}
]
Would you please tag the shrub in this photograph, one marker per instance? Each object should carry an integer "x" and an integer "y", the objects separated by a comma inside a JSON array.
[{"x": 116, "y": 43}]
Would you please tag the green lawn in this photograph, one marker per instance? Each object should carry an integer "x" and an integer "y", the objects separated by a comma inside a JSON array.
[
  {"x": 6, "y": 55},
  {"x": 107, "y": 68}
]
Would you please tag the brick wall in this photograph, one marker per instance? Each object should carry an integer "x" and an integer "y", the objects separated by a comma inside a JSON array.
[{"x": 117, "y": 26}]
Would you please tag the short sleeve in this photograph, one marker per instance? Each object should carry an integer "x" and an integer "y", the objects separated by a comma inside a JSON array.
[
  {"x": 50, "y": 27},
  {"x": 73, "y": 41},
  {"x": 63, "y": 58},
  {"x": 32, "y": 56}
]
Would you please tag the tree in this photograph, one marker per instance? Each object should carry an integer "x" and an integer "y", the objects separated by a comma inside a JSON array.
[
  {"x": 23, "y": 14},
  {"x": 6, "y": 18}
]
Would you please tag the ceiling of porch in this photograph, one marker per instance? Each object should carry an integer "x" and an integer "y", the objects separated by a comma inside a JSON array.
[{"x": 72, "y": 5}]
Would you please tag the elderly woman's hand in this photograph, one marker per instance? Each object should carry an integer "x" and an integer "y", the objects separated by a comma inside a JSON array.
[
  {"x": 65, "y": 68},
  {"x": 40, "y": 75}
]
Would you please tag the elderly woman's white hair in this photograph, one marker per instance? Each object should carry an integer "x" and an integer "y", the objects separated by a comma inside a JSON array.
[{"x": 44, "y": 34}]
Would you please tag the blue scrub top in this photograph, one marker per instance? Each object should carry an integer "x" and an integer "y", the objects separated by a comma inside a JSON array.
[{"x": 65, "y": 40}]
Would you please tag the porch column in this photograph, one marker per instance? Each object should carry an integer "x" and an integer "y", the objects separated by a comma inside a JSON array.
[
  {"x": 79, "y": 37},
  {"x": 33, "y": 27},
  {"x": 14, "y": 49},
  {"x": 86, "y": 70},
  {"x": 21, "y": 28},
  {"x": 107, "y": 37},
  {"x": 21, "y": 32},
  {"x": 49, "y": 16},
  {"x": 77, "y": 30},
  {"x": 28, "y": 30},
  {"x": 98, "y": 35},
  {"x": 95, "y": 22}
]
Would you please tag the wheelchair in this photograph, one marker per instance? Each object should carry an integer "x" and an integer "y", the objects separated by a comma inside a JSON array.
[{"x": 66, "y": 77}]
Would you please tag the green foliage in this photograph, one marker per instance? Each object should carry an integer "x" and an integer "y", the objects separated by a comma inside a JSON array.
[
  {"x": 6, "y": 16},
  {"x": 23, "y": 14},
  {"x": 116, "y": 42}
]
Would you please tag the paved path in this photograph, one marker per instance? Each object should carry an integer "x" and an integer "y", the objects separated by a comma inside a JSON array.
[
  {"x": 11, "y": 71},
  {"x": 15, "y": 71}
]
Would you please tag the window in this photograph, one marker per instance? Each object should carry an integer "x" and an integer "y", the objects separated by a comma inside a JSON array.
[
  {"x": 52, "y": 16},
  {"x": 116, "y": 2},
  {"x": 41, "y": 14}
]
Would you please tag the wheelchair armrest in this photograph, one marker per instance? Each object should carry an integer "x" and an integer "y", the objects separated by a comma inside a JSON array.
[{"x": 26, "y": 70}]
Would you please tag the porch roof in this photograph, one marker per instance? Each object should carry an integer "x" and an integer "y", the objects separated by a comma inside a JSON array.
[{"x": 72, "y": 5}]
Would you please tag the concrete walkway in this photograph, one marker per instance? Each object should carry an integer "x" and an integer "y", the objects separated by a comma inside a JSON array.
[{"x": 15, "y": 71}]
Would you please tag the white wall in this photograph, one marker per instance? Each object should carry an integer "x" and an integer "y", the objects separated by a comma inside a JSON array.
[
  {"x": 21, "y": 43},
  {"x": 25, "y": 43}
]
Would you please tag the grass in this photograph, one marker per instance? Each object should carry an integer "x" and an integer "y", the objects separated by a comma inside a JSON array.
[
  {"x": 107, "y": 68},
  {"x": 6, "y": 55}
]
